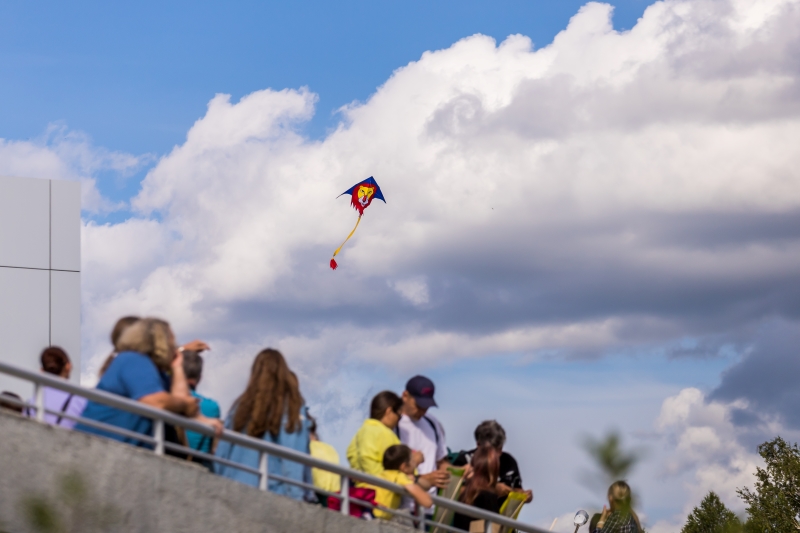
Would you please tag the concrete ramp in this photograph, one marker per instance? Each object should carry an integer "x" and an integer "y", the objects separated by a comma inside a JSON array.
[{"x": 61, "y": 481}]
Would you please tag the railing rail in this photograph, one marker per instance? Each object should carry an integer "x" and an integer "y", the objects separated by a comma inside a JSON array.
[{"x": 161, "y": 417}]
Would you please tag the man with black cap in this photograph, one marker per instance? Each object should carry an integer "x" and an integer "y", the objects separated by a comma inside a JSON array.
[{"x": 422, "y": 432}]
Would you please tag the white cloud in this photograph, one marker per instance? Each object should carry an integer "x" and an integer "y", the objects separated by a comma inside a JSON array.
[
  {"x": 69, "y": 155},
  {"x": 704, "y": 448},
  {"x": 534, "y": 196}
]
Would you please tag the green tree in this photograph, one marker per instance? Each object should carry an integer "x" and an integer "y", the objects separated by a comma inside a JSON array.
[
  {"x": 711, "y": 516},
  {"x": 613, "y": 461},
  {"x": 774, "y": 506}
]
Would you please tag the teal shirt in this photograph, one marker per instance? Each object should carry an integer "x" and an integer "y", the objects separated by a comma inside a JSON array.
[{"x": 209, "y": 408}]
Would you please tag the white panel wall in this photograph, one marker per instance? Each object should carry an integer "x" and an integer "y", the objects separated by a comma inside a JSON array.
[
  {"x": 65, "y": 225},
  {"x": 25, "y": 223},
  {"x": 40, "y": 287}
]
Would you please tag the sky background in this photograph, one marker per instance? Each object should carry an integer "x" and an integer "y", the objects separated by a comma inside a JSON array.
[{"x": 591, "y": 220}]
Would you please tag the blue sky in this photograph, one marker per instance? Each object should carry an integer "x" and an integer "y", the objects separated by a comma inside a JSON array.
[{"x": 593, "y": 222}]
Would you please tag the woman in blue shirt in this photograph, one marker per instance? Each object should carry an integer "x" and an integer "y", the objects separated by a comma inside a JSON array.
[
  {"x": 271, "y": 408},
  {"x": 148, "y": 369}
]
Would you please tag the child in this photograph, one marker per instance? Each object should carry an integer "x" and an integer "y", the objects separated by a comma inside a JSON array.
[{"x": 398, "y": 468}]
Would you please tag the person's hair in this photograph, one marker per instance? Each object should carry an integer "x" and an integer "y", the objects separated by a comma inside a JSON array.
[
  {"x": 382, "y": 401},
  {"x": 490, "y": 433},
  {"x": 312, "y": 424},
  {"x": 271, "y": 393},
  {"x": 192, "y": 364},
  {"x": 5, "y": 404},
  {"x": 395, "y": 456},
  {"x": 54, "y": 360},
  {"x": 119, "y": 327},
  {"x": 152, "y": 337},
  {"x": 620, "y": 498},
  {"x": 485, "y": 471}
]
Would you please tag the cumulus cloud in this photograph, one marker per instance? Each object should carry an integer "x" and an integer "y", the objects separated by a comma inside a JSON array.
[
  {"x": 60, "y": 153},
  {"x": 609, "y": 191},
  {"x": 708, "y": 449}
]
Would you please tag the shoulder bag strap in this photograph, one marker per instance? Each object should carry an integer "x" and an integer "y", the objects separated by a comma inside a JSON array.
[{"x": 63, "y": 408}]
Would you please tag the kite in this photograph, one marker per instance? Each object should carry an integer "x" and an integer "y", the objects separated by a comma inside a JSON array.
[{"x": 361, "y": 195}]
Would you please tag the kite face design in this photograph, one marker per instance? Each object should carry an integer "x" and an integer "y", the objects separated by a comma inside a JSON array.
[{"x": 361, "y": 195}]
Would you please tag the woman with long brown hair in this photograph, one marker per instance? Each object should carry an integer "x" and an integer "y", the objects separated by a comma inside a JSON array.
[
  {"x": 480, "y": 490},
  {"x": 271, "y": 408}
]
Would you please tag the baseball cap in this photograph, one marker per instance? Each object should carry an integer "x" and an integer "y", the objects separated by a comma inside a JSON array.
[{"x": 422, "y": 389}]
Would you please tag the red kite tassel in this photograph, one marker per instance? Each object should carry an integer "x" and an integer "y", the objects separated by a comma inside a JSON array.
[{"x": 333, "y": 261}]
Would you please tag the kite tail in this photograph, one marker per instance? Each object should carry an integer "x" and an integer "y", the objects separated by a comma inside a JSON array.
[{"x": 333, "y": 261}]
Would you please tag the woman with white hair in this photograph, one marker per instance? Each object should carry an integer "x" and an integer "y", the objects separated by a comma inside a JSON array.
[{"x": 148, "y": 369}]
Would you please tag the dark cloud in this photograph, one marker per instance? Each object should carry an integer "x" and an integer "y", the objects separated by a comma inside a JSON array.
[{"x": 768, "y": 378}]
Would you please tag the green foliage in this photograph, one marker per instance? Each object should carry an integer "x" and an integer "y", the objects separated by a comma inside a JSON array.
[
  {"x": 612, "y": 460},
  {"x": 72, "y": 511},
  {"x": 712, "y": 517},
  {"x": 774, "y": 506}
]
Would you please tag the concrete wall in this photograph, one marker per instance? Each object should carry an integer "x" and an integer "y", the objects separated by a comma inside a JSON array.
[
  {"x": 141, "y": 492},
  {"x": 40, "y": 280}
]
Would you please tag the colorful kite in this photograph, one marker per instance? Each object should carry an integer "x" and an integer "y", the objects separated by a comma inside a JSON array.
[{"x": 361, "y": 195}]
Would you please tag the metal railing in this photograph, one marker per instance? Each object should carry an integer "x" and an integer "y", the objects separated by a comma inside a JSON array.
[{"x": 265, "y": 449}]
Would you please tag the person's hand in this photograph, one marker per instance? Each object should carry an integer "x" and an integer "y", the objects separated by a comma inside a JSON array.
[
  {"x": 196, "y": 346},
  {"x": 215, "y": 423},
  {"x": 529, "y": 499},
  {"x": 438, "y": 478},
  {"x": 192, "y": 407},
  {"x": 502, "y": 489},
  {"x": 603, "y": 517},
  {"x": 417, "y": 458}
]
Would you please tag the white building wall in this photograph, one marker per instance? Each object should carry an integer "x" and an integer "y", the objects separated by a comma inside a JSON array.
[{"x": 40, "y": 280}]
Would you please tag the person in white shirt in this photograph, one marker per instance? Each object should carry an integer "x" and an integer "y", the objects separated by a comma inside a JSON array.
[{"x": 423, "y": 433}]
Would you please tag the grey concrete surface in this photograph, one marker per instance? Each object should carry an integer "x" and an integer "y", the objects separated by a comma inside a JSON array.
[{"x": 132, "y": 490}]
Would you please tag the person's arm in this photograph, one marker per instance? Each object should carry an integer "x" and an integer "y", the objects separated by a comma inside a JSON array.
[
  {"x": 420, "y": 495},
  {"x": 179, "y": 386},
  {"x": 603, "y": 518},
  {"x": 170, "y": 402},
  {"x": 437, "y": 478}
]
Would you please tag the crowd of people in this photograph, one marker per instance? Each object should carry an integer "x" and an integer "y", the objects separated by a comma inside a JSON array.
[{"x": 400, "y": 442}]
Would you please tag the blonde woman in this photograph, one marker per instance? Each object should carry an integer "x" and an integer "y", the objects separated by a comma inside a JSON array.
[
  {"x": 619, "y": 516},
  {"x": 148, "y": 368}
]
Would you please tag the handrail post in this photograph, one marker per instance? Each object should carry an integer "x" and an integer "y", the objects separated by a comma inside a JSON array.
[
  {"x": 263, "y": 469},
  {"x": 38, "y": 393},
  {"x": 345, "y": 496},
  {"x": 158, "y": 434},
  {"x": 421, "y": 518},
  {"x": 488, "y": 528}
]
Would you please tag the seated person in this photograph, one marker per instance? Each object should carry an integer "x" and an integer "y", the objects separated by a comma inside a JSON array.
[
  {"x": 365, "y": 452},
  {"x": 619, "y": 517},
  {"x": 11, "y": 402},
  {"x": 490, "y": 433},
  {"x": 56, "y": 361},
  {"x": 322, "y": 479},
  {"x": 480, "y": 489},
  {"x": 398, "y": 468}
]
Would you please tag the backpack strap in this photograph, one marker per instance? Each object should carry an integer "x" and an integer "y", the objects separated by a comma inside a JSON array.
[
  {"x": 64, "y": 408},
  {"x": 435, "y": 431}
]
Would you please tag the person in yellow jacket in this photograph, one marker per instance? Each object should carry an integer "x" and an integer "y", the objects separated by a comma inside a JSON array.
[
  {"x": 365, "y": 452},
  {"x": 322, "y": 479}
]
